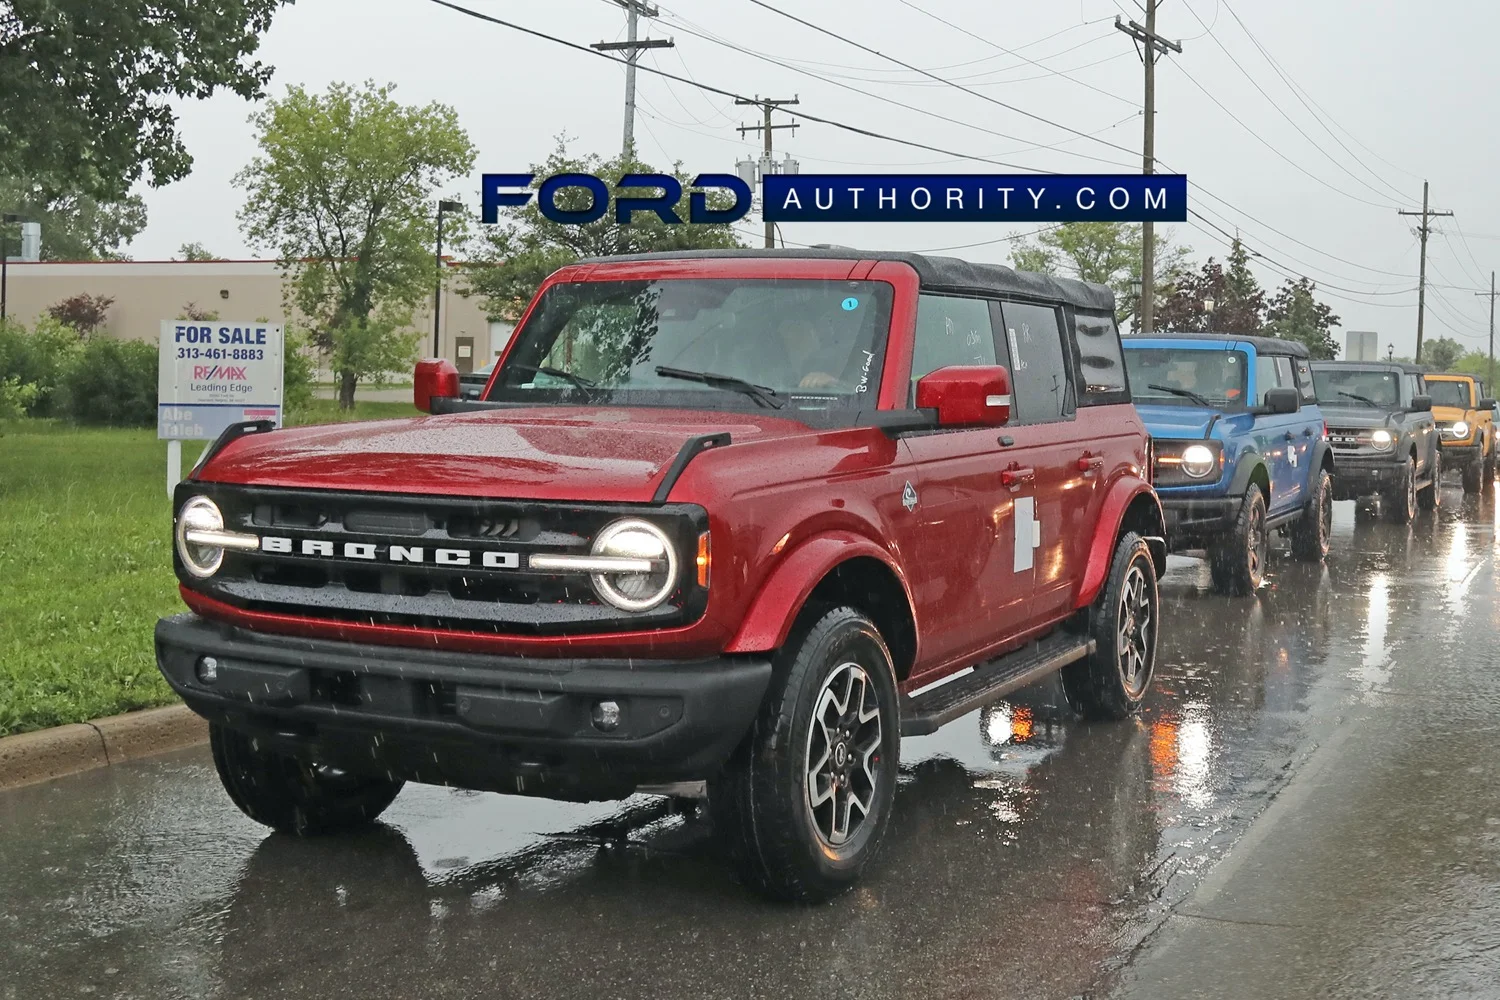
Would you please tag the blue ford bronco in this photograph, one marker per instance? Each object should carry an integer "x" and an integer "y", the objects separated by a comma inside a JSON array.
[{"x": 1240, "y": 448}]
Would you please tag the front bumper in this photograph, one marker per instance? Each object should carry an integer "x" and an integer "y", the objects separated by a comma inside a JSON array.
[
  {"x": 1456, "y": 456},
  {"x": 509, "y": 724},
  {"x": 1366, "y": 475},
  {"x": 1193, "y": 521}
]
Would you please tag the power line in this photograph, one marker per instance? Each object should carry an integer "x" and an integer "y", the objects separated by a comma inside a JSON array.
[
  {"x": 1001, "y": 48},
  {"x": 1280, "y": 110},
  {"x": 1305, "y": 101},
  {"x": 832, "y": 123},
  {"x": 957, "y": 86},
  {"x": 1303, "y": 92},
  {"x": 773, "y": 60}
]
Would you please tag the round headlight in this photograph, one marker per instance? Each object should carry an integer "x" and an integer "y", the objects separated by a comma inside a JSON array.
[
  {"x": 636, "y": 591},
  {"x": 199, "y": 514},
  {"x": 1382, "y": 440},
  {"x": 1198, "y": 460},
  {"x": 1460, "y": 429}
]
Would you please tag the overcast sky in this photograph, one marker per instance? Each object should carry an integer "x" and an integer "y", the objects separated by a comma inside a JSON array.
[{"x": 1392, "y": 96}]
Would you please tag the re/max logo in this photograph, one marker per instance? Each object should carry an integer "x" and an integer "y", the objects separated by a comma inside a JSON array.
[
  {"x": 499, "y": 191},
  {"x": 234, "y": 373}
]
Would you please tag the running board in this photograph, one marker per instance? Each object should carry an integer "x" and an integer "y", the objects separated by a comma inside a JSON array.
[{"x": 990, "y": 681}]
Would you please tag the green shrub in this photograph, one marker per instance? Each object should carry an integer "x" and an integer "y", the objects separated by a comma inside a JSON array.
[
  {"x": 16, "y": 398},
  {"x": 40, "y": 358},
  {"x": 297, "y": 372},
  {"x": 113, "y": 382}
]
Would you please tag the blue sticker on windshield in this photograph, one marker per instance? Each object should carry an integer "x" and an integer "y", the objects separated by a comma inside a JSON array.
[{"x": 851, "y": 304}]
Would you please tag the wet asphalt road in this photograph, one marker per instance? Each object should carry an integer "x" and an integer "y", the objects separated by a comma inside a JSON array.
[{"x": 1309, "y": 806}]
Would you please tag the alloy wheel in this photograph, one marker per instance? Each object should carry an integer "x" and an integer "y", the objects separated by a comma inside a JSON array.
[
  {"x": 843, "y": 754},
  {"x": 1258, "y": 542},
  {"x": 1135, "y": 622}
]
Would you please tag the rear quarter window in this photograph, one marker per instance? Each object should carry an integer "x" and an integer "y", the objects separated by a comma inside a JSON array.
[{"x": 1101, "y": 361}]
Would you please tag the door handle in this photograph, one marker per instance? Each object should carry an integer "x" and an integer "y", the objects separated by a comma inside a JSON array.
[
  {"x": 1017, "y": 477},
  {"x": 1088, "y": 463},
  {"x": 1307, "y": 433},
  {"x": 1290, "y": 436}
]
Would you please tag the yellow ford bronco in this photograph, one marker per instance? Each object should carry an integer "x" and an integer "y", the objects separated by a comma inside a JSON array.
[{"x": 1466, "y": 427}]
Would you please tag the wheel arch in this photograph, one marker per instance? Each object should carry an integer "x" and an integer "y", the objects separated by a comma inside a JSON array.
[
  {"x": 1131, "y": 505},
  {"x": 831, "y": 569}
]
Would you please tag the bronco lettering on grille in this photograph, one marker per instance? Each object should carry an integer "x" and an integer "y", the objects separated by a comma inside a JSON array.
[{"x": 369, "y": 551}]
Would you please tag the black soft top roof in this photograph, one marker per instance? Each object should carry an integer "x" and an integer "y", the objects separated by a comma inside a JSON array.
[
  {"x": 1262, "y": 345},
  {"x": 938, "y": 273},
  {"x": 1403, "y": 366}
]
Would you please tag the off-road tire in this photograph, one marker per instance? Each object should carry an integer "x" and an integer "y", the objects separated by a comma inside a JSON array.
[
  {"x": 1311, "y": 531},
  {"x": 1430, "y": 497},
  {"x": 762, "y": 804},
  {"x": 1237, "y": 562},
  {"x": 1489, "y": 468},
  {"x": 1111, "y": 682},
  {"x": 1473, "y": 475},
  {"x": 292, "y": 796},
  {"x": 1399, "y": 503}
]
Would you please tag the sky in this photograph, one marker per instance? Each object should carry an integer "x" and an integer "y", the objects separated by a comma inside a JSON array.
[{"x": 1303, "y": 125}]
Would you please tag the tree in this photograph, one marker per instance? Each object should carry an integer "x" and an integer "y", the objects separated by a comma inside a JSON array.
[
  {"x": 1108, "y": 253},
  {"x": 1294, "y": 314},
  {"x": 86, "y": 88},
  {"x": 74, "y": 226},
  {"x": 83, "y": 312},
  {"x": 1442, "y": 353},
  {"x": 516, "y": 255},
  {"x": 1239, "y": 302},
  {"x": 195, "y": 251},
  {"x": 343, "y": 192}
]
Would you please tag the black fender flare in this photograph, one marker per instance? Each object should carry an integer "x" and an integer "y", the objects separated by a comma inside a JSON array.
[
  {"x": 1322, "y": 456},
  {"x": 1244, "y": 468}
]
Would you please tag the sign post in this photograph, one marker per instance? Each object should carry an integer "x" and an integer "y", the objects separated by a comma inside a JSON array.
[{"x": 211, "y": 375}]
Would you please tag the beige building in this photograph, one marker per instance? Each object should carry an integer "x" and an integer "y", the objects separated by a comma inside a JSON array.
[{"x": 147, "y": 292}]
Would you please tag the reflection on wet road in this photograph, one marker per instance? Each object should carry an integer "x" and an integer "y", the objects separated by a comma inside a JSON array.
[{"x": 1030, "y": 855}]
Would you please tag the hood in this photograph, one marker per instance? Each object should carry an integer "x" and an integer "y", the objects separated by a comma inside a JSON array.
[
  {"x": 1169, "y": 421},
  {"x": 575, "y": 453},
  {"x": 1357, "y": 415}
]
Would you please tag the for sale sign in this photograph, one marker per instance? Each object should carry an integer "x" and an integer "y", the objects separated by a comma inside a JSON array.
[{"x": 216, "y": 374}]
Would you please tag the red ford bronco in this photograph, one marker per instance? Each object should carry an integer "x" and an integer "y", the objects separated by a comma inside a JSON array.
[{"x": 726, "y": 523}]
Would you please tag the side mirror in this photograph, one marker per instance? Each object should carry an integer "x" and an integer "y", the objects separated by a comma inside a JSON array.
[
  {"x": 1421, "y": 404},
  {"x": 967, "y": 395},
  {"x": 435, "y": 378},
  {"x": 1283, "y": 401},
  {"x": 1486, "y": 403}
]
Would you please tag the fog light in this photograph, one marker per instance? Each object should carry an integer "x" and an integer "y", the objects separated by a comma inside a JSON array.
[
  {"x": 208, "y": 670},
  {"x": 606, "y": 716}
]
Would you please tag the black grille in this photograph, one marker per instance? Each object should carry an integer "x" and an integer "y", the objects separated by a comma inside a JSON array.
[{"x": 350, "y": 572}]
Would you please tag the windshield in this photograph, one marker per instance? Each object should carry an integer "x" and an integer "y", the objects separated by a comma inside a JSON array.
[
  {"x": 816, "y": 344},
  {"x": 1186, "y": 376},
  {"x": 1448, "y": 393},
  {"x": 1353, "y": 387}
]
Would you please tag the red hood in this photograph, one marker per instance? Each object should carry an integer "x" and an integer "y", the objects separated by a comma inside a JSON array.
[{"x": 575, "y": 453}]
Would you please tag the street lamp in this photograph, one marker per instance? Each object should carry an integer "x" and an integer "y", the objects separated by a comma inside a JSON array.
[
  {"x": 1208, "y": 307},
  {"x": 6, "y": 221},
  {"x": 1390, "y": 352},
  {"x": 437, "y": 295}
]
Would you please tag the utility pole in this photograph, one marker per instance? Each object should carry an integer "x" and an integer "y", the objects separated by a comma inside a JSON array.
[
  {"x": 634, "y": 10},
  {"x": 1490, "y": 382},
  {"x": 766, "y": 128},
  {"x": 1151, "y": 44},
  {"x": 1422, "y": 231}
]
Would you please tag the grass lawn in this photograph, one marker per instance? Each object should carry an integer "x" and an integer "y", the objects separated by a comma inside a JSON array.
[{"x": 86, "y": 566}]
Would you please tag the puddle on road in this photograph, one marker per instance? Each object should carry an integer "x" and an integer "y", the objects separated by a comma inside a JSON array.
[{"x": 1027, "y": 850}]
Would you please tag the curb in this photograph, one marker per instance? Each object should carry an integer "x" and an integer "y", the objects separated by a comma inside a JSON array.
[{"x": 29, "y": 758}]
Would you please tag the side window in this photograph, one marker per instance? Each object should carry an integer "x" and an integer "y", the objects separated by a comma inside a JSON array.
[
  {"x": 1100, "y": 359},
  {"x": 1285, "y": 373},
  {"x": 1414, "y": 386},
  {"x": 1266, "y": 377},
  {"x": 1044, "y": 388},
  {"x": 1305, "y": 381},
  {"x": 950, "y": 331}
]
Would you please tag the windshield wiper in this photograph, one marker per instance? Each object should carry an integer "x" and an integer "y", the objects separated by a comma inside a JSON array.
[
  {"x": 578, "y": 382},
  {"x": 1184, "y": 393},
  {"x": 1363, "y": 399},
  {"x": 762, "y": 395}
]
